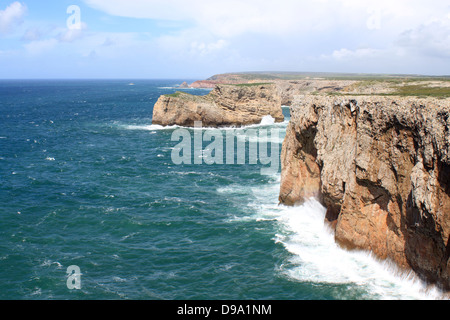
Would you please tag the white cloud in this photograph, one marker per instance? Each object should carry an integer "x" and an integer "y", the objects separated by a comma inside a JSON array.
[
  {"x": 32, "y": 34},
  {"x": 429, "y": 39},
  {"x": 360, "y": 53},
  {"x": 326, "y": 35},
  {"x": 11, "y": 17},
  {"x": 41, "y": 41},
  {"x": 40, "y": 46},
  {"x": 233, "y": 17},
  {"x": 204, "y": 49},
  {"x": 70, "y": 35},
  {"x": 215, "y": 35},
  {"x": 228, "y": 18},
  {"x": 114, "y": 45}
]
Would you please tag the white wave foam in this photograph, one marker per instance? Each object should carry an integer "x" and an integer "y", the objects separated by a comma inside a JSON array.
[
  {"x": 267, "y": 120},
  {"x": 37, "y": 292},
  {"x": 48, "y": 263},
  {"x": 185, "y": 173},
  {"x": 317, "y": 258},
  {"x": 235, "y": 190},
  {"x": 270, "y": 137},
  {"x": 150, "y": 127},
  {"x": 119, "y": 279}
]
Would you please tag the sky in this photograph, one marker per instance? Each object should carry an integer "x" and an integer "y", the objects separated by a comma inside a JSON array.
[{"x": 195, "y": 39}]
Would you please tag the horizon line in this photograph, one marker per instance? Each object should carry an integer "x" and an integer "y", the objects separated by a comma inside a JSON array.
[{"x": 238, "y": 73}]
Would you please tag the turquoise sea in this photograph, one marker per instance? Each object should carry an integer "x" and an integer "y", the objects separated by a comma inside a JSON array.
[{"x": 86, "y": 180}]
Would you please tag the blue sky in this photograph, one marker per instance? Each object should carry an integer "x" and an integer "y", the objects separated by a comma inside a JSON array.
[{"x": 196, "y": 39}]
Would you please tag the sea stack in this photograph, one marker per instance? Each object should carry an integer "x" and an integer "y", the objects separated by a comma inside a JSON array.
[{"x": 225, "y": 105}]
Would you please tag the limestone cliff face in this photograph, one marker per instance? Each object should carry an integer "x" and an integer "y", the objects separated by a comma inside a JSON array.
[
  {"x": 381, "y": 166},
  {"x": 226, "y": 105}
]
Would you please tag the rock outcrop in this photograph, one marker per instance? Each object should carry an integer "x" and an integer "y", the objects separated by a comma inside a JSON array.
[
  {"x": 289, "y": 89},
  {"x": 381, "y": 166},
  {"x": 211, "y": 84},
  {"x": 226, "y": 105}
]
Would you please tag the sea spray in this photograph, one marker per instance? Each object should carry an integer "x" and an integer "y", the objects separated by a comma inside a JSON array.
[{"x": 316, "y": 258}]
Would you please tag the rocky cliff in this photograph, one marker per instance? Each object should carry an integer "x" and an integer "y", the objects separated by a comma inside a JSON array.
[
  {"x": 381, "y": 166},
  {"x": 226, "y": 105},
  {"x": 289, "y": 89}
]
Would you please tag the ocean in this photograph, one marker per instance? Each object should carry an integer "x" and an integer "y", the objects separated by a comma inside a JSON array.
[{"x": 86, "y": 180}]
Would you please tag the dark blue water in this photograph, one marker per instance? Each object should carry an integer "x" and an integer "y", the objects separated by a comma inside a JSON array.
[{"x": 87, "y": 180}]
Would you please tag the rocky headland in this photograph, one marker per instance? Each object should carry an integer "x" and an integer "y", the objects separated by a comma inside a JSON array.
[
  {"x": 381, "y": 167},
  {"x": 226, "y": 105},
  {"x": 291, "y": 84},
  {"x": 371, "y": 151}
]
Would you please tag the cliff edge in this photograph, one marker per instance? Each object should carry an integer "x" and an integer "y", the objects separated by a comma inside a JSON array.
[
  {"x": 381, "y": 166},
  {"x": 226, "y": 105}
]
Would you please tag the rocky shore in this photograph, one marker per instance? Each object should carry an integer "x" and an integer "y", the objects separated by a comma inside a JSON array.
[{"x": 381, "y": 166}]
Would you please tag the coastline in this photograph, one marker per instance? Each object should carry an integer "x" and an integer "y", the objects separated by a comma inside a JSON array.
[{"x": 306, "y": 179}]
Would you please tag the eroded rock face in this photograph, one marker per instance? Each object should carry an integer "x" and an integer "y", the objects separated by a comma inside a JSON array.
[
  {"x": 290, "y": 89},
  {"x": 226, "y": 105},
  {"x": 381, "y": 166}
]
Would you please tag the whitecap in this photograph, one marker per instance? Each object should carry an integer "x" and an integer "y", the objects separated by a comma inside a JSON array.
[
  {"x": 150, "y": 127},
  {"x": 185, "y": 173},
  {"x": 48, "y": 263},
  {"x": 235, "y": 189},
  {"x": 129, "y": 236},
  {"x": 37, "y": 291},
  {"x": 119, "y": 279}
]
